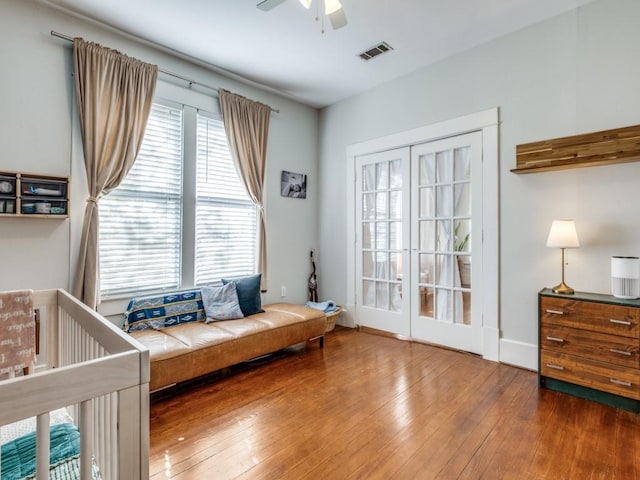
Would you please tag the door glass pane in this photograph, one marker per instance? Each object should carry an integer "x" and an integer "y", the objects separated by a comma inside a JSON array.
[
  {"x": 395, "y": 297},
  {"x": 427, "y": 204},
  {"x": 395, "y": 174},
  {"x": 368, "y": 206},
  {"x": 382, "y": 295},
  {"x": 395, "y": 260},
  {"x": 444, "y": 270},
  {"x": 382, "y": 205},
  {"x": 368, "y": 234},
  {"x": 382, "y": 265},
  {"x": 381, "y": 236},
  {"x": 444, "y": 236},
  {"x": 395, "y": 204},
  {"x": 466, "y": 308},
  {"x": 444, "y": 306},
  {"x": 443, "y": 167},
  {"x": 382, "y": 175},
  {"x": 443, "y": 200},
  {"x": 463, "y": 263},
  {"x": 427, "y": 169},
  {"x": 462, "y": 164},
  {"x": 368, "y": 178},
  {"x": 395, "y": 235},
  {"x": 462, "y": 199},
  {"x": 426, "y": 302},
  {"x": 367, "y": 264},
  {"x": 427, "y": 235},
  {"x": 368, "y": 293},
  {"x": 427, "y": 268},
  {"x": 462, "y": 236}
]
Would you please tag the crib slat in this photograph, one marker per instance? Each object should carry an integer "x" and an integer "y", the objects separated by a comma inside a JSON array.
[
  {"x": 86, "y": 438},
  {"x": 42, "y": 446}
]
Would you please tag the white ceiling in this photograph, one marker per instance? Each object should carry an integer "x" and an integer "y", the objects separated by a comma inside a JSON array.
[{"x": 284, "y": 48}]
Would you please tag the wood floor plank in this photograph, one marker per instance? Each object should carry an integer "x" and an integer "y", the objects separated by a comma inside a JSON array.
[{"x": 373, "y": 407}]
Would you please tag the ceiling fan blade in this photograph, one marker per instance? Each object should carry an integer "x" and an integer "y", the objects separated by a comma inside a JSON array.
[
  {"x": 267, "y": 5},
  {"x": 338, "y": 19}
]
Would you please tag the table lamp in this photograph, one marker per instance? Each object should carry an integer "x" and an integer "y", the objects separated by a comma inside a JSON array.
[{"x": 563, "y": 235}]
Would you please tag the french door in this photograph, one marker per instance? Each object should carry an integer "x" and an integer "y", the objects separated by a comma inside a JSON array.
[
  {"x": 382, "y": 238},
  {"x": 418, "y": 241},
  {"x": 446, "y": 242}
]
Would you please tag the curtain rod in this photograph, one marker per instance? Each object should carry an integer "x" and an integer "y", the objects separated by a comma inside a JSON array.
[{"x": 166, "y": 72}]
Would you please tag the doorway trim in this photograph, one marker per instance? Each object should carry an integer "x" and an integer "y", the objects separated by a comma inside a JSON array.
[{"x": 487, "y": 122}]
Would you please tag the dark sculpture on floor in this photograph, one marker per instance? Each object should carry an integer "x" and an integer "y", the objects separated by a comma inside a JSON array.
[{"x": 313, "y": 282}]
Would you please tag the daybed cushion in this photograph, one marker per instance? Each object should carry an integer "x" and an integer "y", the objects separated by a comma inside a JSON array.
[{"x": 193, "y": 349}]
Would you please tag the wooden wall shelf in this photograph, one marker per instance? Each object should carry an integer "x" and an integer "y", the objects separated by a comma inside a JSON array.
[
  {"x": 607, "y": 147},
  {"x": 24, "y": 195}
]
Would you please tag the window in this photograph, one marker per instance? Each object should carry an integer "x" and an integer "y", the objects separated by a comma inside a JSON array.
[
  {"x": 221, "y": 199},
  {"x": 151, "y": 238}
]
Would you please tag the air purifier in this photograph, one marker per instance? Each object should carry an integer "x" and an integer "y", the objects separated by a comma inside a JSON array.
[{"x": 625, "y": 277}]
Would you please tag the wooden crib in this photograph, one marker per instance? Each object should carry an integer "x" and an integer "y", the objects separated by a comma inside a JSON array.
[{"x": 100, "y": 375}]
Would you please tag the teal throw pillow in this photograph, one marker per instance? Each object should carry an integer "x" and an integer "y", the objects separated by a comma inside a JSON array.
[
  {"x": 221, "y": 303},
  {"x": 248, "y": 289}
]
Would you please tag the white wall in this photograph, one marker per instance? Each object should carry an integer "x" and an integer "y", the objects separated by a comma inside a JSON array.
[
  {"x": 575, "y": 73},
  {"x": 39, "y": 134}
]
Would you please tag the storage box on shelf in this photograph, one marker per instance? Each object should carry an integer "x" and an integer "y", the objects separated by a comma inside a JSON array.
[
  {"x": 590, "y": 347},
  {"x": 32, "y": 195},
  {"x": 7, "y": 193}
]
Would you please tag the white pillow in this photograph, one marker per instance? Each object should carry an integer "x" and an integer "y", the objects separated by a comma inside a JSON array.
[{"x": 221, "y": 303}]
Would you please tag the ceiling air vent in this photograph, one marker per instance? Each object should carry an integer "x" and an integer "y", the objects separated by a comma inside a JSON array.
[{"x": 375, "y": 51}]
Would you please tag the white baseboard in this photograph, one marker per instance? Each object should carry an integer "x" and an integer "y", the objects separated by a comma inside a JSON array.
[{"x": 520, "y": 354}]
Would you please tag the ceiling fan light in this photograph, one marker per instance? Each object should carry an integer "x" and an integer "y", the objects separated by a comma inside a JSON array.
[
  {"x": 306, "y": 3},
  {"x": 331, "y": 6}
]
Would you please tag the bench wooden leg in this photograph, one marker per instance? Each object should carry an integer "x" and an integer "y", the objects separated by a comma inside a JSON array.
[{"x": 322, "y": 341}]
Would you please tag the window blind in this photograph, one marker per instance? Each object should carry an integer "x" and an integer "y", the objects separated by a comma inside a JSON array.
[
  {"x": 225, "y": 216},
  {"x": 140, "y": 221}
]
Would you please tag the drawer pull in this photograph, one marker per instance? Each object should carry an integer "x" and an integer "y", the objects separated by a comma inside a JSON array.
[
  {"x": 557, "y": 367},
  {"x": 620, "y": 382},
  {"x": 554, "y": 312},
  {"x": 621, "y": 352},
  {"x": 620, "y": 322},
  {"x": 556, "y": 339}
]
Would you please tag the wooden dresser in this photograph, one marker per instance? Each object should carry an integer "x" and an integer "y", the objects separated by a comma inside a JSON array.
[{"x": 589, "y": 346}]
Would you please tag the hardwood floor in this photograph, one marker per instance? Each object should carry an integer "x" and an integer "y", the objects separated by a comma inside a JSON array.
[{"x": 373, "y": 407}]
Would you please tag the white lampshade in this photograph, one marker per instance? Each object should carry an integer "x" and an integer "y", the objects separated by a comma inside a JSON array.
[
  {"x": 563, "y": 234},
  {"x": 306, "y": 3},
  {"x": 331, "y": 6}
]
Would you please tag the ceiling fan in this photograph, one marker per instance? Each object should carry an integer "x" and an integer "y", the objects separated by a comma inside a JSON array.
[{"x": 332, "y": 9}]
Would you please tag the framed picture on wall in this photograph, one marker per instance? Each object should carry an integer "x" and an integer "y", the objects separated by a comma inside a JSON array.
[{"x": 293, "y": 185}]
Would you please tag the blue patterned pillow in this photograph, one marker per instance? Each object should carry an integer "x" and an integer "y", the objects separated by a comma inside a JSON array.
[
  {"x": 221, "y": 303},
  {"x": 248, "y": 289},
  {"x": 162, "y": 311}
]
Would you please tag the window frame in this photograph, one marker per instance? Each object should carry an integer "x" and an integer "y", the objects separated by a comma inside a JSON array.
[{"x": 192, "y": 104}]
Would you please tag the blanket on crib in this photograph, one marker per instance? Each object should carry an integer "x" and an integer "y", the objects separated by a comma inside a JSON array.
[
  {"x": 19, "y": 456},
  {"x": 17, "y": 330}
]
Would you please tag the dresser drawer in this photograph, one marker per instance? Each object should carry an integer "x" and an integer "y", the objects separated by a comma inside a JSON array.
[
  {"x": 614, "y": 379},
  {"x": 598, "y": 317},
  {"x": 604, "y": 347}
]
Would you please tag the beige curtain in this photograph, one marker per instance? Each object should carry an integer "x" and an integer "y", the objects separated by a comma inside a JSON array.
[
  {"x": 114, "y": 94},
  {"x": 246, "y": 124}
]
